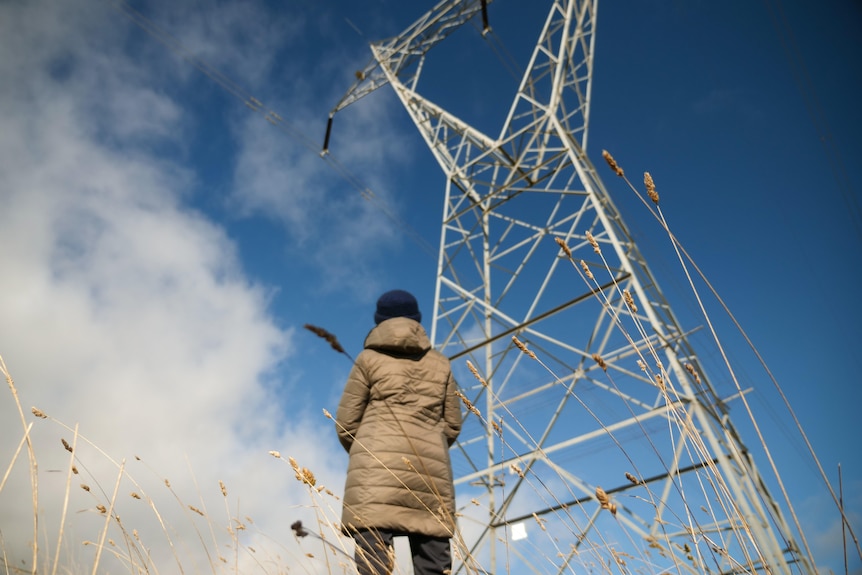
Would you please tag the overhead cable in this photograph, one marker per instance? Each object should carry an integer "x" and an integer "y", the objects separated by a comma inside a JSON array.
[{"x": 271, "y": 116}]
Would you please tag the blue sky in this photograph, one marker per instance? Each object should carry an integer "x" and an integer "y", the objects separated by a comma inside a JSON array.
[{"x": 162, "y": 245}]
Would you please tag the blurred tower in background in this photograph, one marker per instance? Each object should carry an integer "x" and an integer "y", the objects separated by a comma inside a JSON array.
[{"x": 611, "y": 450}]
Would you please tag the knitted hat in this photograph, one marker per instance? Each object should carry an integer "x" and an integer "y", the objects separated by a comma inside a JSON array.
[{"x": 397, "y": 303}]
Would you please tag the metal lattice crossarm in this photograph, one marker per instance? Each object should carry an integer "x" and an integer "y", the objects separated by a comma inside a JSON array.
[
  {"x": 403, "y": 54},
  {"x": 533, "y": 246}
]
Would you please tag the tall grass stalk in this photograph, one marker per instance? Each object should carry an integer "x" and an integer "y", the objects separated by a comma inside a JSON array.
[
  {"x": 108, "y": 516},
  {"x": 576, "y": 538},
  {"x": 34, "y": 475},
  {"x": 65, "y": 501},
  {"x": 684, "y": 256}
]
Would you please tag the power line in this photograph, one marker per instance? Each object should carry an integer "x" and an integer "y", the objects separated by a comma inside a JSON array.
[
  {"x": 495, "y": 43},
  {"x": 270, "y": 115}
]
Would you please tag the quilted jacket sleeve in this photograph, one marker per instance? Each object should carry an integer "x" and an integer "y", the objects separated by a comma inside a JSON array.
[
  {"x": 452, "y": 411},
  {"x": 352, "y": 406}
]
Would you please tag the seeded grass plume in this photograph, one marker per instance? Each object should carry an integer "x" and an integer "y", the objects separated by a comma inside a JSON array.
[{"x": 319, "y": 545}]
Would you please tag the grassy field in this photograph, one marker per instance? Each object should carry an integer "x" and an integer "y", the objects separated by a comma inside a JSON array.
[{"x": 84, "y": 523}]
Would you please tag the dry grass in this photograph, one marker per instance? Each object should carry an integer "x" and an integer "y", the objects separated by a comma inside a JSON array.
[
  {"x": 184, "y": 538},
  {"x": 220, "y": 539}
]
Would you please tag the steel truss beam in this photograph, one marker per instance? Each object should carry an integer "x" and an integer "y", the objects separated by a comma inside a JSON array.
[{"x": 619, "y": 389}]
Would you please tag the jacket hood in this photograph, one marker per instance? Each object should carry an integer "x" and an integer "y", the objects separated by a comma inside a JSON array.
[{"x": 399, "y": 335}]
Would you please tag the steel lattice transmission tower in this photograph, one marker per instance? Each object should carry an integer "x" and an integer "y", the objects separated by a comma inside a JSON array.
[{"x": 619, "y": 400}]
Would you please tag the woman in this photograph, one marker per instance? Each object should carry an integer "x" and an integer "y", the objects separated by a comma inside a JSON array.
[{"x": 397, "y": 418}]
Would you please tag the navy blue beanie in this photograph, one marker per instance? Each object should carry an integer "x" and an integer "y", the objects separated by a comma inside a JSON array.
[{"x": 397, "y": 303}]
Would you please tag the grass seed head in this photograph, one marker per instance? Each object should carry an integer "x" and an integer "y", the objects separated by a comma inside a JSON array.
[
  {"x": 564, "y": 247},
  {"x": 593, "y": 242},
  {"x": 586, "y": 269},
  {"x": 539, "y": 521},
  {"x": 38, "y": 412},
  {"x": 330, "y": 338},
  {"x": 598, "y": 359},
  {"x": 602, "y": 496},
  {"x": 605, "y": 501},
  {"x": 520, "y": 345},
  {"x": 497, "y": 428},
  {"x": 305, "y": 475},
  {"x": 650, "y": 187},
  {"x": 612, "y": 163},
  {"x": 298, "y": 530},
  {"x": 476, "y": 374},
  {"x": 630, "y": 301},
  {"x": 222, "y": 487},
  {"x": 690, "y": 369},
  {"x": 469, "y": 404},
  {"x": 66, "y": 445}
]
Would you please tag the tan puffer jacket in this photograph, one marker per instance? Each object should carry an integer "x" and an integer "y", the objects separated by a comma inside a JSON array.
[{"x": 397, "y": 418}]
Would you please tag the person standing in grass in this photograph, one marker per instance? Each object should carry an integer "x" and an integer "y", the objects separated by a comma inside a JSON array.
[{"x": 398, "y": 416}]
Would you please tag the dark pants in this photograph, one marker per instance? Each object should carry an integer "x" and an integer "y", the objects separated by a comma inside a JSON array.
[{"x": 375, "y": 554}]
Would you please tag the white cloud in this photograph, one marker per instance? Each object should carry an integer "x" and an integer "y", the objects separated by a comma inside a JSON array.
[
  {"x": 344, "y": 220},
  {"x": 237, "y": 38},
  {"x": 126, "y": 312}
]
